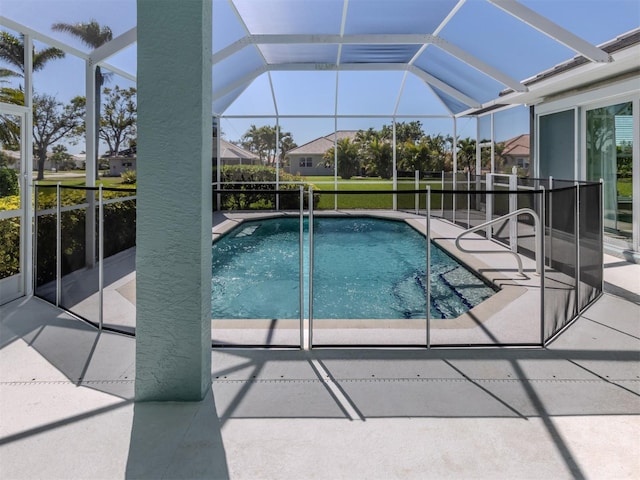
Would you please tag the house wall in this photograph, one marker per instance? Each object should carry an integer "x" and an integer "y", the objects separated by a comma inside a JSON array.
[
  {"x": 565, "y": 155},
  {"x": 520, "y": 161},
  {"x": 299, "y": 165},
  {"x": 117, "y": 166}
]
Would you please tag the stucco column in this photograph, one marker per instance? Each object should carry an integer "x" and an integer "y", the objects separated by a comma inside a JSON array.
[{"x": 173, "y": 259}]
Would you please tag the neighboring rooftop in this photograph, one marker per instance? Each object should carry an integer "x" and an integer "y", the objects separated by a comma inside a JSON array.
[
  {"x": 229, "y": 150},
  {"x": 517, "y": 146},
  {"x": 320, "y": 145}
]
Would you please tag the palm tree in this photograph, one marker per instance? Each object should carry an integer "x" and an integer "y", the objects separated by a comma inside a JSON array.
[
  {"x": 348, "y": 162},
  {"x": 92, "y": 35},
  {"x": 378, "y": 156},
  {"x": 9, "y": 129},
  {"x": 286, "y": 144},
  {"x": 467, "y": 153},
  {"x": 12, "y": 52}
]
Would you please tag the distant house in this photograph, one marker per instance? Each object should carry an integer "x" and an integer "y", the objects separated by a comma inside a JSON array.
[
  {"x": 12, "y": 159},
  {"x": 231, "y": 154},
  {"x": 119, "y": 165},
  {"x": 308, "y": 159},
  {"x": 80, "y": 160},
  {"x": 516, "y": 153}
]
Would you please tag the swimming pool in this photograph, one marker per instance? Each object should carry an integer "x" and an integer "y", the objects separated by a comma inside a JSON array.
[{"x": 364, "y": 268}]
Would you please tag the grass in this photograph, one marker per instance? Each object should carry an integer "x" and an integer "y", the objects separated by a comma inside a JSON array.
[
  {"x": 625, "y": 187},
  {"x": 53, "y": 179},
  {"x": 373, "y": 200}
]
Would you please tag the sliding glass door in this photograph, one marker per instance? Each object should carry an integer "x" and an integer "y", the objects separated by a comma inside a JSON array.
[{"x": 609, "y": 142}]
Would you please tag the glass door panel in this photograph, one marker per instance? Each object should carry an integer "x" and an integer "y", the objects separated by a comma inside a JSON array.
[{"x": 609, "y": 157}]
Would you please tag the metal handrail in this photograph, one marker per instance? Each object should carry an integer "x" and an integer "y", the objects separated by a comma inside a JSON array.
[{"x": 504, "y": 217}]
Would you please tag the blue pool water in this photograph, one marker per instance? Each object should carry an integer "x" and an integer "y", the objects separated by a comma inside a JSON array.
[{"x": 363, "y": 268}]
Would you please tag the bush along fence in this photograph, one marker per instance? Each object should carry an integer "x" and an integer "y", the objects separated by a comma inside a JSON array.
[
  {"x": 119, "y": 226},
  {"x": 255, "y": 187}
]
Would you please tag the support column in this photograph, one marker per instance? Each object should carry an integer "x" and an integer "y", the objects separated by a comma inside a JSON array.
[
  {"x": 173, "y": 260},
  {"x": 27, "y": 169},
  {"x": 91, "y": 166}
]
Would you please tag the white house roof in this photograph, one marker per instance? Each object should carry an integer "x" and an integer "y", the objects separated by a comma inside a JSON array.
[{"x": 231, "y": 151}]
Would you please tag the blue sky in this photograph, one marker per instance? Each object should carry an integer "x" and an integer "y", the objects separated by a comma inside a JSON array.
[{"x": 520, "y": 52}]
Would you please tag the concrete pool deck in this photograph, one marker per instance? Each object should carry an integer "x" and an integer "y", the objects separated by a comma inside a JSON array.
[{"x": 571, "y": 410}]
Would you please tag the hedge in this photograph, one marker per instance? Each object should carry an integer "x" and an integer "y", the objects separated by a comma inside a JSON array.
[
  {"x": 119, "y": 231},
  {"x": 258, "y": 189},
  {"x": 8, "y": 182},
  {"x": 120, "y": 218}
]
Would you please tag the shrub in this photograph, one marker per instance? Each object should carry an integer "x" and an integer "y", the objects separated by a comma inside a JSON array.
[
  {"x": 119, "y": 230},
  {"x": 129, "y": 177},
  {"x": 8, "y": 182},
  {"x": 9, "y": 247},
  {"x": 257, "y": 188}
]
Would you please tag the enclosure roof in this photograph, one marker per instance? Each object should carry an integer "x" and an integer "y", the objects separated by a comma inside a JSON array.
[{"x": 390, "y": 57}]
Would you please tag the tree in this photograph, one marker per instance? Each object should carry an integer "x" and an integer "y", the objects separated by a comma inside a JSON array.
[
  {"x": 363, "y": 137},
  {"x": 439, "y": 151},
  {"x": 348, "y": 162},
  {"x": 92, "y": 35},
  {"x": 6, "y": 159},
  {"x": 258, "y": 141},
  {"x": 467, "y": 153},
  {"x": 378, "y": 157},
  {"x": 412, "y": 156},
  {"x": 286, "y": 144},
  {"x": 52, "y": 122},
  {"x": 118, "y": 120},
  {"x": 12, "y": 52},
  {"x": 405, "y": 132},
  {"x": 262, "y": 141},
  {"x": 9, "y": 128},
  {"x": 9, "y": 184},
  {"x": 61, "y": 158}
]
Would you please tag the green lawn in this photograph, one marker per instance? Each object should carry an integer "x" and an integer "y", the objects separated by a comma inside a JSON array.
[
  {"x": 625, "y": 187},
  {"x": 374, "y": 200},
  {"x": 80, "y": 181}
]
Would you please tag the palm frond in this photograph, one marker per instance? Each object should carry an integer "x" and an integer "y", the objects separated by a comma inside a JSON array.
[
  {"x": 43, "y": 56},
  {"x": 6, "y": 73},
  {"x": 14, "y": 96},
  {"x": 90, "y": 33},
  {"x": 12, "y": 50}
]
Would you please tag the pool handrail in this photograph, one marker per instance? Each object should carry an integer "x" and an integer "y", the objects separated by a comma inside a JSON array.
[{"x": 502, "y": 218}]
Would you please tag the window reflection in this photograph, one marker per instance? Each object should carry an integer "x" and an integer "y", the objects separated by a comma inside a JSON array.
[{"x": 609, "y": 157}]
